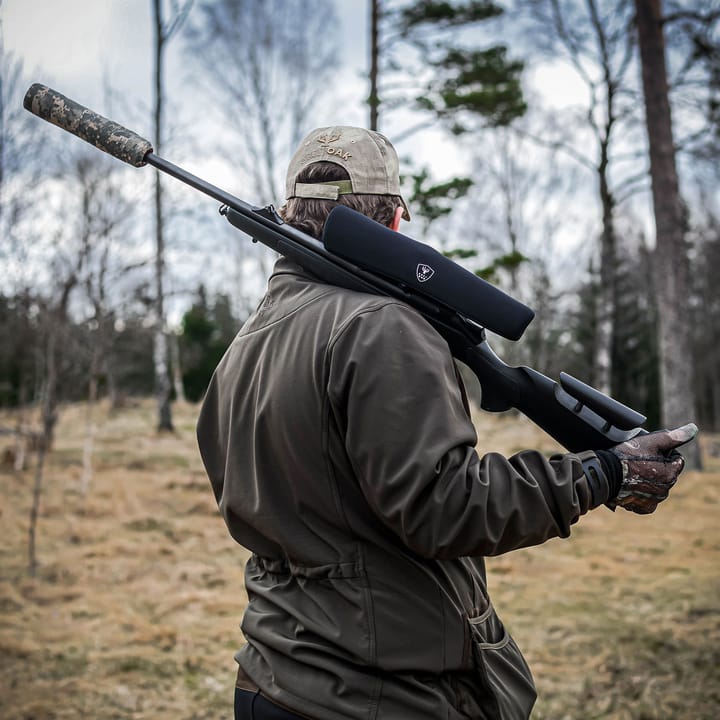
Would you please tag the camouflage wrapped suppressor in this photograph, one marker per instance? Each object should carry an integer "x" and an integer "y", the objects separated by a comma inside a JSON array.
[{"x": 104, "y": 134}]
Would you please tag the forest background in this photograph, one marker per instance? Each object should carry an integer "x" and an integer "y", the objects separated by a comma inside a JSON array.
[{"x": 526, "y": 153}]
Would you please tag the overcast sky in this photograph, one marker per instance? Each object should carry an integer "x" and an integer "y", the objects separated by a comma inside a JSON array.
[
  {"x": 77, "y": 47},
  {"x": 81, "y": 46},
  {"x": 73, "y": 45}
]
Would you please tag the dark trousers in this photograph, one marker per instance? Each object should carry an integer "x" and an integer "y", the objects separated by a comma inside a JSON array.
[{"x": 253, "y": 706}]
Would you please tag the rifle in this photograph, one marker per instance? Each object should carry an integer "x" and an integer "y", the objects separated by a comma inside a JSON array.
[{"x": 359, "y": 254}]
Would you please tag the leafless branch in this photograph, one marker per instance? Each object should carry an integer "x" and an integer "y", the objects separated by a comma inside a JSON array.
[
  {"x": 573, "y": 48},
  {"x": 408, "y": 132},
  {"x": 701, "y": 17},
  {"x": 559, "y": 146},
  {"x": 631, "y": 185}
]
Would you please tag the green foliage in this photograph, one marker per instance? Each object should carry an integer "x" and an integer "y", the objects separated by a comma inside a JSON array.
[
  {"x": 635, "y": 379},
  {"x": 635, "y": 362},
  {"x": 24, "y": 322},
  {"x": 468, "y": 83},
  {"x": 447, "y": 14},
  {"x": 464, "y": 85},
  {"x": 510, "y": 261},
  {"x": 460, "y": 254},
  {"x": 478, "y": 83},
  {"x": 583, "y": 325},
  {"x": 18, "y": 349},
  {"x": 704, "y": 320},
  {"x": 207, "y": 330},
  {"x": 132, "y": 355},
  {"x": 434, "y": 201}
]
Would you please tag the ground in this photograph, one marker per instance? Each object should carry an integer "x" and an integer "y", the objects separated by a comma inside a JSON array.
[{"x": 135, "y": 608}]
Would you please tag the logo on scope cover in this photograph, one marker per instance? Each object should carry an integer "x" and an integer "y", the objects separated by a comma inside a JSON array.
[{"x": 424, "y": 272}]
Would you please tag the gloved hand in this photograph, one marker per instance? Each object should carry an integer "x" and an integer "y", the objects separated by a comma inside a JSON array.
[{"x": 651, "y": 465}]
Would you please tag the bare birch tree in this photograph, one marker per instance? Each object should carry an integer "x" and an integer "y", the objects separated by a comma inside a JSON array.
[
  {"x": 103, "y": 214},
  {"x": 266, "y": 63},
  {"x": 18, "y": 171},
  {"x": 593, "y": 38},
  {"x": 78, "y": 255},
  {"x": 164, "y": 31},
  {"x": 263, "y": 68},
  {"x": 18, "y": 160},
  {"x": 66, "y": 269}
]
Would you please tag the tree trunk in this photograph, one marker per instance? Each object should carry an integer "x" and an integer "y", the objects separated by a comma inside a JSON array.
[
  {"x": 373, "y": 99},
  {"x": 160, "y": 350},
  {"x": 44, "y": 442},
  {"x": 176, "y": 368},
  {"x": 89, "y": 441},
  {"x": 20, "y": 439},
  {"x": 111, "y": 379},
  {"x": 671, "y": 262},
  {"x": 716, "y": 399},
  {"x": 607, "y": 295},
  {"x": 35, "y": 511}
]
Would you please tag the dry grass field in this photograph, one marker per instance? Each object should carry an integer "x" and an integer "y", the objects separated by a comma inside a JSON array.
[{"x": 134, "y": 612}]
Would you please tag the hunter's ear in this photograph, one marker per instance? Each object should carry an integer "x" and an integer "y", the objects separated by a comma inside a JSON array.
[{"x": 395, "y": 222}]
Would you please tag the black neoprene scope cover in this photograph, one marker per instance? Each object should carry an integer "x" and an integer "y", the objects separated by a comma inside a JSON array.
[{"x": 380, "y": 250}]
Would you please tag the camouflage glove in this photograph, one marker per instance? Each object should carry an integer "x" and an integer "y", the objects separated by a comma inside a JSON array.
[{"x": 650, "y": 465}]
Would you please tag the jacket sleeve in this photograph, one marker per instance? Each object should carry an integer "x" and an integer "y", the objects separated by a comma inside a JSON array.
[{"x": 394, "y": 393}]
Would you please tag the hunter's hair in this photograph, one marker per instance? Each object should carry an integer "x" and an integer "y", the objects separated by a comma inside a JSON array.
[{"x": 309, "y": 214}]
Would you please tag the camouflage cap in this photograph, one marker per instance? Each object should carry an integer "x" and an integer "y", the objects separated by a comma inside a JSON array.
[{"x": 368, "y": 157}]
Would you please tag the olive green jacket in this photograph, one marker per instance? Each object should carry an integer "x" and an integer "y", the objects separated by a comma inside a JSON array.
[{"x": 341, "y": 453}]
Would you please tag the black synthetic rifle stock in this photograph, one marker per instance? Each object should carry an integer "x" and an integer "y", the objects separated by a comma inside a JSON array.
[{"x": 360, "y": 254}]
